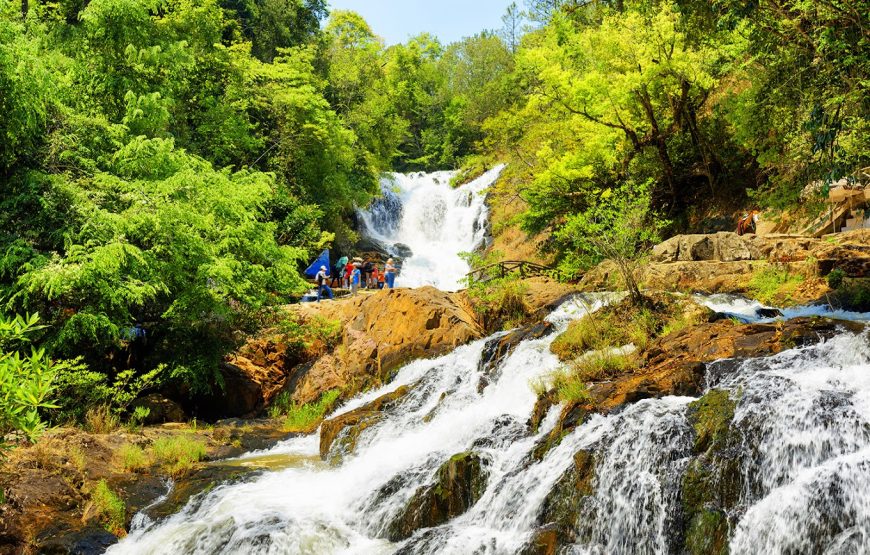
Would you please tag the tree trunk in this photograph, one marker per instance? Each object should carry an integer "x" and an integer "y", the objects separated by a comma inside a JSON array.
[{"x": 661, "y": 145}]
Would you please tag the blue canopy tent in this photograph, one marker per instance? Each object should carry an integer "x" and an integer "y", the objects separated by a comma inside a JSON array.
[{"x": 322, "y": 260}]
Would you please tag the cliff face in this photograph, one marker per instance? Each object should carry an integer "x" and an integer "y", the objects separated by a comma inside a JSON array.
[{"x": 379, "y": 332}]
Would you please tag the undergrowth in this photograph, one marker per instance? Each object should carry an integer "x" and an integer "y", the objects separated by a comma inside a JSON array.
[
  {"x": 304, "y": 418},
  {"x": 177, "y": 454},
  {"x": 774, "y": 285}
]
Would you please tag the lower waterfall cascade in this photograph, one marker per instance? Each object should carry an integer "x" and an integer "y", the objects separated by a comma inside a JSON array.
[{"x": 801, "y": 433}]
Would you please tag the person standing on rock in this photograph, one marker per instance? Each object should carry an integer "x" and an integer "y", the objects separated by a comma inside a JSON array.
[
  {"x": 348, "y": 270},
  {"x": 322, "y": 278},
  {"x": 355, "y": 276},
  {"x": 373, "y": 284},
  {"x": 339, "y": 271},
  {"x": 390, "y": 273}
]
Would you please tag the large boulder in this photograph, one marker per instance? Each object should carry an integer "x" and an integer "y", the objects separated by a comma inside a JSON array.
[
  {"x": 383, "y": 331},
  {"x": 160, "y": 409},
  {"x": 722, "y": 247}
]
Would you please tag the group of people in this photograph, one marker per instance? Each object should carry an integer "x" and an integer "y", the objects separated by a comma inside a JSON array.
[{"x": 355, "y": 274}]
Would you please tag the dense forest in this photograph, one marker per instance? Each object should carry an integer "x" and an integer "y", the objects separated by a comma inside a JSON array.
[{"x": 167, "y": 165}]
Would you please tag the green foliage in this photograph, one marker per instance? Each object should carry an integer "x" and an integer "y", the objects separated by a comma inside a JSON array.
[
  {"x": 835, "y": 278},
  {"x": 109, "y": 508},
  {"x": 304, "y": 418},
  {"x": 80, "y": 390},
  {"x": 311, "y": 337},
  {"x": 26, "y": 380}
]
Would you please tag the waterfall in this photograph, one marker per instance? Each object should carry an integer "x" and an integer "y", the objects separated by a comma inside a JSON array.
[
  {"x": 421, "y": 214},
  {"x": 802, "y": 418}
]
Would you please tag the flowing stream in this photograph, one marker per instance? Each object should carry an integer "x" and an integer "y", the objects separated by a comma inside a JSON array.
[
  {"x": 803, "y": 463},
  {"x": 422, "y": 214}
]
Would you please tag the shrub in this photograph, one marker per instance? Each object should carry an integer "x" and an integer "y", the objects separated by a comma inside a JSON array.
[
  {"x": 178, "y": 454},
  {"x": 109, "y": 508},
  {"x": 309, "y": 338},
  {"x": 26, "y": 380},
  {"x": 304, "y": 418},
  {"x": 132, "y": 458},
  {"x": 138, "y": 418},
  {"x": 835, "y": 278},
  {"x": 80, "y": 391}
]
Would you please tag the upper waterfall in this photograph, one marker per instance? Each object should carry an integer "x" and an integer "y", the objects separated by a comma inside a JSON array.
[{"x": 434, "y": 220}]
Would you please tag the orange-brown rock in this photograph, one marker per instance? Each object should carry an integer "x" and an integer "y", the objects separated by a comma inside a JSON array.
[
  {"x": 674, "y": 364},
  {"x": 383, "y": 331}
]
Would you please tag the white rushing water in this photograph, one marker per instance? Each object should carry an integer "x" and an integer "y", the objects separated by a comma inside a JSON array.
[
  {"x": 422, "y": 212},
  {"x": 804, "y": 464}
]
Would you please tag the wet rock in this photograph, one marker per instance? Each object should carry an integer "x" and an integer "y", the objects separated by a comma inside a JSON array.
[
  {"x": 92, "y": 540},
  {"x": 545, "y": 541},
  {"x": 498, "y": 349},
  {"x": 459, "y": 483},
  {"x": 401, "y": 250},
  {"x": 160, "y": 409},
  {"x": 712, "y": 481},
  {"x": 344, "y": 429},
  {"x": 768, "y": 312},
  {"x": 561, "y": 507}
]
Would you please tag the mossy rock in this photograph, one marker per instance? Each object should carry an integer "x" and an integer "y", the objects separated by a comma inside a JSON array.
[
  {"x": 711, "y": 416},
  {"x": 712, "y": 482},
  {"x": 561, "y": 507},
  {"x": 707, "y": 533},
  {"x": 459, "y": 483}
]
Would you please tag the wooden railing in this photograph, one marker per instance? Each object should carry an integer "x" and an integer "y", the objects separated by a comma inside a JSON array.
[{"x": 507, "y": 267}]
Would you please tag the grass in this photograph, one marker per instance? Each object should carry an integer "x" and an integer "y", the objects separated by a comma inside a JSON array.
[
  {"x": 101, "y": 420},
  {"x": 773, "y": 285},
  {"x": 280, "y": 405},
  {"x": 132, "y": 458},
  {"x": 178, "y": 454},
  {"x": 304, "y": 418},
  {"x": 569, "y": 387},
  {"x": 570, "y": 382},
  {"x": 78, "y": 459},
  {"x": 602, "y": 365},
  {"x": 607, "y": 329},
  {"x": 109, "y": 508}
]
